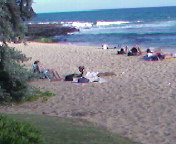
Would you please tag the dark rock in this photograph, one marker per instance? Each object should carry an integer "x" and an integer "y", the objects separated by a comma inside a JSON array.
[{"x": 48, "y": 30}]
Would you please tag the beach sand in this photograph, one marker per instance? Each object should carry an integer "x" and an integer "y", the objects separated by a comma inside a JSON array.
[{"x": 138, "y": 103}]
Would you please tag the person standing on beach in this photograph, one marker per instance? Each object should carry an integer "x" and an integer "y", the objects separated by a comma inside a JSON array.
[{"x": 104, "y": 46}]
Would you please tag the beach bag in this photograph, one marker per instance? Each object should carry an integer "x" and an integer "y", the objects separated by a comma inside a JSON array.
[
  {"x": 83, "y": 80},
  {"x": 69, "y": 77}
]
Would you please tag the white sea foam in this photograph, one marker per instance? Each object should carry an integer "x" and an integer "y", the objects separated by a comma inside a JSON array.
[
  {"x": 118, "y": 27},
  {"x": 78, "y": 24},
  {"x": 106, "y": 23}
]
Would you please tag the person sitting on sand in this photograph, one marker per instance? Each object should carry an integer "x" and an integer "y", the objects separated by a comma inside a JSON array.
[
  {"x": 70, "y": 77},
  {"x": 148, "y": 51},
  {"x": 47, "y": 73},
  {"x": 126, "y": 49},
  {"x": 149, "y": 54},
  {"x": 154, "y": 56},
  {"x": 158, "y": 55},
  {"x": 135, "y": 51},
  {"x": 121, "y": 51},
  {"x": 95, "y": 76}
]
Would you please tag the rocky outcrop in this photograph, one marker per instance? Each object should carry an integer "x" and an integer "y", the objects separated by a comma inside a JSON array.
[{"x": 48, "y": 30}]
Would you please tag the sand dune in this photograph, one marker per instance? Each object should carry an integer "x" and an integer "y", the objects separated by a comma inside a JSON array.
[{"x": 140, "y": 102}]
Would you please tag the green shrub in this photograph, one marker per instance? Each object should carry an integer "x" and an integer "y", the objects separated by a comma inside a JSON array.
[
  {"x": 38, "y": 94},
  {"x": 13, "y": 76},
  {"x": 17, "y": 132},
  {"x": 48, "y": 40}
]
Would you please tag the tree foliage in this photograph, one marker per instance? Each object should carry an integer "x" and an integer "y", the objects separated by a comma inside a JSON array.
[
  {"x": 13, "y": 13},
  {"x": 13, "y": 76}
]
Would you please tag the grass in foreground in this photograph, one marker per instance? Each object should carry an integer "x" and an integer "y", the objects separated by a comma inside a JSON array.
[
  {"x": 18, "y": 132},
  {"x": 57, "y": 130},
  {"x": 39, "y": 94}
]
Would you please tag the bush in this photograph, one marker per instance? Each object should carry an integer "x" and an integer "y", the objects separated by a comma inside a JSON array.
[
  {"x": 13, "y": 76},
  {"x": 47, "y": 40},
  {"x": 16, "y": 132},
  {"x": 38, "y": 94}
]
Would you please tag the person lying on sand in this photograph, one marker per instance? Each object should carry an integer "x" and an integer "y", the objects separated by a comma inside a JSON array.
[
  {"x": 135, "y": 51},
  {"x": 94, "y": 76},
  {"x": 99, "y": 74},
  {"x": 47, "y": 73},
  {"x": 157, "y": 55}
]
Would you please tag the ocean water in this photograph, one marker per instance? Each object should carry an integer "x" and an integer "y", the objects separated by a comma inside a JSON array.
[{"x": 148, "y": 27}]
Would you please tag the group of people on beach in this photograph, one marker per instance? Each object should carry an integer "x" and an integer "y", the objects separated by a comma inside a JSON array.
[
  {"x": 157, "y": 55},
  {"x": 134, "y": 51},
  {"x": 81, "y": 77},
  {"x": 148, "y": 55},
  {"x": 95, "y": 76}
]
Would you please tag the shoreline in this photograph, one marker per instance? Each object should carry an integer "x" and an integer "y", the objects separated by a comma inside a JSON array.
[
  {"x": 89, "y": 44},
  {"x": 138, "y": 103}
]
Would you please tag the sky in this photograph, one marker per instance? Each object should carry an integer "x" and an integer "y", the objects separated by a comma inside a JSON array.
[{"x": 45, "y": 6}]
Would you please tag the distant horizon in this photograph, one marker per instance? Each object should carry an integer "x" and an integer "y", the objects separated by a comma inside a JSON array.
[{"x": 101, "y": 9}]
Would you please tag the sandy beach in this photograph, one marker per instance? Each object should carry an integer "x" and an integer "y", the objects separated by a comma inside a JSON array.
[{"x": 138, "y": 103}]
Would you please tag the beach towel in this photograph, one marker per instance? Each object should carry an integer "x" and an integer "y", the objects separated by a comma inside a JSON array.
[
  {"x": 89, "y": 78},
  {"x": 92, "y": 76},
  {"x": 83, "y": 80},
  {"x": 160, "y": 59}
]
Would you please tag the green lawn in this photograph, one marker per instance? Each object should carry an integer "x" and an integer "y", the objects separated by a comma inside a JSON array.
[{"x": 57, "y": 130}]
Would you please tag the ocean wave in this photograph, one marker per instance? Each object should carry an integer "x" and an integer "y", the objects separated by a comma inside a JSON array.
[
  {"x": 78, "y": 24},
  {"x": 107, "y": 24},
  {"x": 156, "y": 24},
  {"x": 121, "y": 24},
  {"x": 46, "y": 22},
  {"x": 121, "y": 27},
  {"x": 130, "y": 27},
  {"x": 149, "y": 33},
  {"x": 131, "y": 33}
]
